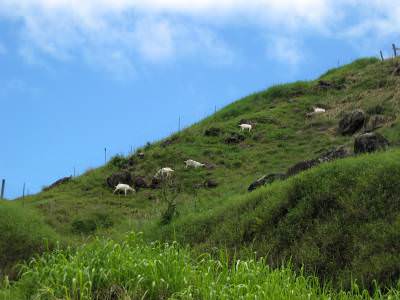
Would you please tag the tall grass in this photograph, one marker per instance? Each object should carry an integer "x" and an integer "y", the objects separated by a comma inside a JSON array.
[{"x": 133, "y": 269}]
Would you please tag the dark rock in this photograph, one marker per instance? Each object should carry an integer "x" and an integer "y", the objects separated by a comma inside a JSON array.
[
  {"x": 210, "y": 183},
  {"x": 58, "y": 182},
  {"x": 234, "y": 138},
  {"x": 267, "y": 179},
  {"x": 370, "y": 142},
  {"x": 301, "y": 166},
  {"x": 155, "y": 183},
  {"x": 140, "y": 155},
  {"x": 140, "y": 183},
  {"x": 330, "y": 155},
  {"x": 213, "y": 131},
  {"x": 352, "y": 122},
  {"x": 120, "y": 177},
  {"x": 333, "y": 154},
  {"x": 374, "y": 122}
]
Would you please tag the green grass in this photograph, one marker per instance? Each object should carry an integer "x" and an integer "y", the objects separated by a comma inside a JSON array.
[
  {"x": 283, "y": 220},
  {"x": 341, "y": 220},
  {"x": 23, "y": 235},
  {"x": 133, "y": 269}
]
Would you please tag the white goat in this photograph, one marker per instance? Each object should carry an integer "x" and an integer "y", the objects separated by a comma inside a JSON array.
[
  {"x": 164, "y": 173},
  {"x": 193, "y": 163},
  {"x": 318, "y": 110},
  {"x": 123, "y": 187},
  {"x": 245, "y": 126}
]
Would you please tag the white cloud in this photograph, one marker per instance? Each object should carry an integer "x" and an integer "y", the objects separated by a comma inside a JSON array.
[
  {"x": 286, "y": 50},
  {"x": 116, "y": 35}
]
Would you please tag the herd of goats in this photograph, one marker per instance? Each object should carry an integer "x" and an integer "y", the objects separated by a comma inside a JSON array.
[{"x": 190, "y": 163}]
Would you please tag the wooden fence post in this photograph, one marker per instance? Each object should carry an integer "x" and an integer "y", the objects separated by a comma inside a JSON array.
[
  {"x": 3, "y": 185},
  {"x": 394, "y": 50},
  {"x": 382, "y": 56}
]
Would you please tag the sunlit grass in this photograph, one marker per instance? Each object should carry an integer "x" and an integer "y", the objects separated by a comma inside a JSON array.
[{"x": 133, "y": 269}]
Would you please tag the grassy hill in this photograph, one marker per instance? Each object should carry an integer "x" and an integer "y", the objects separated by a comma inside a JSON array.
[{"x": 322, "y": 218}]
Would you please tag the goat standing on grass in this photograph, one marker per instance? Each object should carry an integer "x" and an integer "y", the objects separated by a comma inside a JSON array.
[
  {"x": 193, "y": 163},
  {"x": 123, "y": 187},
  {"x": 164, "y": 173},
  {"x": 318, "y": 110},
  {"x": 245, "y": 126}
]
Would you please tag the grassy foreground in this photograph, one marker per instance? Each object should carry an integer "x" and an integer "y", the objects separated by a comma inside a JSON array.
[{"x": 133, "y": 269}]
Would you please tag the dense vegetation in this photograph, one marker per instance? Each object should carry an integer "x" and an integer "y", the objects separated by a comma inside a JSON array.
[
  {"x": 23, "y": 234},
  {"x": 339, "y": 221},
  {"x": 134, "y": 269}
]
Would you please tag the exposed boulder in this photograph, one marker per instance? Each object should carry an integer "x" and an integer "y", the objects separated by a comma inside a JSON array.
[
  {"x": 213, "y": 131},
  {"x": 330, "y": 155},
  {"x": 120, "y": 177},
  {"x": 374, "y": 122},
  {"x": 210, "y": 183},
  {"x": 140, "y": 183},
  {"x": 370, "y": 142},
  {"x": 352, "y": 122},
  {"x": 58, "y": 182},
  {"x": 235, "y": 138},
  {"x": 267, "y": 179},
  {"x": 333, "y": 154}
]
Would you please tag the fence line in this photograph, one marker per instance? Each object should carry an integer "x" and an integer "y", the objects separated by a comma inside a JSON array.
[{"x": 3, "y": 185}]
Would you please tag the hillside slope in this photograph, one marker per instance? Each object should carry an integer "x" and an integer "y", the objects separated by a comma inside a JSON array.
[
  {"x": 282, "y": 136},
  {"x": 340, "y": 220},
  {"x": 219, "y": 214}
]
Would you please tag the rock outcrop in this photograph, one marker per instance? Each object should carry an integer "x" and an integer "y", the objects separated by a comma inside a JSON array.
[
  {"x": 370, "y": 142},
  {"x": 352, "y": 122}
]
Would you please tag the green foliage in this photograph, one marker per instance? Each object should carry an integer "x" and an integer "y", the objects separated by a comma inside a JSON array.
[
  {"x": 23, "y": 235},
  {"x": 341, "y": 220},
  {"x": 133, "y": 269},
  {"x": 227, "y": 215}
]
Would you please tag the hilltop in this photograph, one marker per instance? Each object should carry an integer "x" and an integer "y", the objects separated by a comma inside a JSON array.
[{"x": 213, "y": 204}]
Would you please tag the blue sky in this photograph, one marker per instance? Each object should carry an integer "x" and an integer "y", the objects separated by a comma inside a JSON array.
[{"x": 78, "y": 76}]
